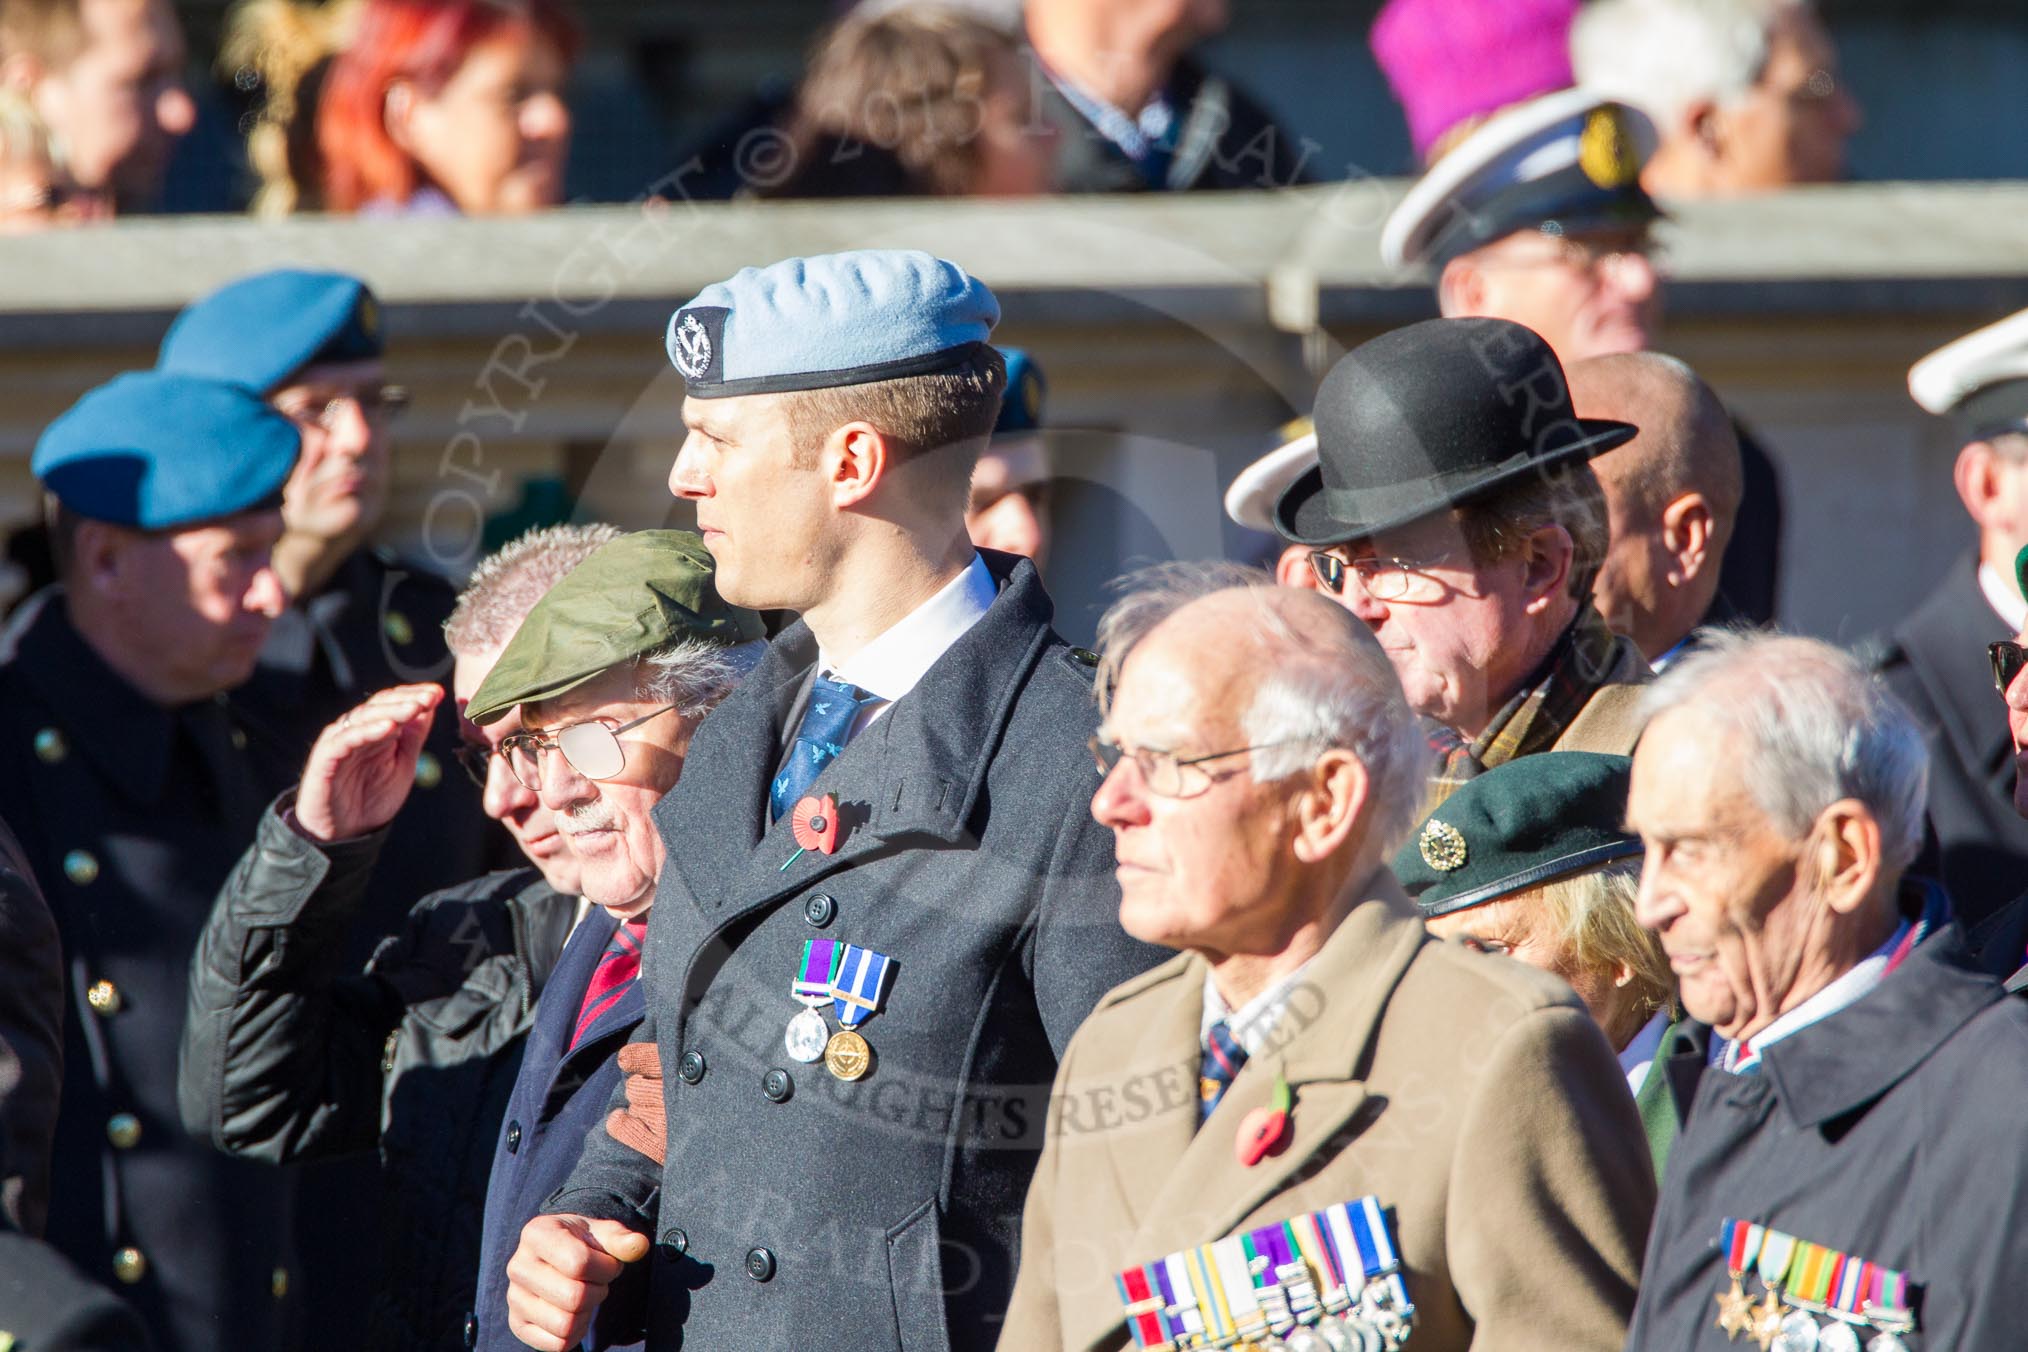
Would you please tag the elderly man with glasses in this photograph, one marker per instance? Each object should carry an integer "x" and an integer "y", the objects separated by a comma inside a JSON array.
[
  {"x": 478, "y": 1046},
  {"x": 1317, "y": 1126},
  {"x": 1452, "y": 509}
]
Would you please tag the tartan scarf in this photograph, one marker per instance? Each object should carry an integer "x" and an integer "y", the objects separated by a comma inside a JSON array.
[{"x": 1586, "y": 659}]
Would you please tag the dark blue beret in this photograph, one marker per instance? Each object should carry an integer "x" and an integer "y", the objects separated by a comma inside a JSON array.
[
  {"x": 261, "y": 330},
  {"x": 1021, "y": 406},
  {"x": 157, "y": 452}
]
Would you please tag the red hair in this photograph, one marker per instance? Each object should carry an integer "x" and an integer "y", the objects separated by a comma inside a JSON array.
[{"x": 421, "y": 42}]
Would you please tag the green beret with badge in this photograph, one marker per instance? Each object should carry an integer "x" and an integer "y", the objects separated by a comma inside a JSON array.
[
  {"x": 637, "y": 595},
  {"x": 1520, "y": 825}
]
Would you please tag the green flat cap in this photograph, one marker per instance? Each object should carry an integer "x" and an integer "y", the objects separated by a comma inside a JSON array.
[
  {"x": 635, "y": 595},
  {"x": 2021, "y": 570},
  {"x": 1517, "y": 826}
]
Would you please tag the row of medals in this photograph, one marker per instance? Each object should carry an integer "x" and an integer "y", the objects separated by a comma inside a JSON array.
[
  {"x": 809, "y": 1038},
  {"x": 1791, "y": 1327},
  {"x": 1375, "y": 1324}
]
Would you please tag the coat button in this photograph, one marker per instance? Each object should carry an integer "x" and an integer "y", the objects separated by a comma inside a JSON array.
[
  {"x": 81, "y": 867},
  {"x": 429, "y": 771},
  {"x": 471, "y": 1329},
  {"x": 676, "y": 1241},
  {"x": 104, "y": 997},
  {"x": 513, "y": 1138},
  {"x": 820, "y": 909},
  {"x": 760, "y": 1264},
  {"x": 691, "y": 1067},
  {"x": 777, "y": 1085},
  {"x": 278, "y": 1283},
  {"x": 123, "y": 1130},
  {"x": 397, "y": 627},
  {"x": 238, "y": 738},
  {"x": 50, "y": 746},
  {"x": 130, "y": 1265}
]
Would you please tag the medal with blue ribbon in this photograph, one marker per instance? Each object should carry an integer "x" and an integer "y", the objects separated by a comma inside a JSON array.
[
  {"x": 857, "y": 986},
  {"x": 1816, "y": 1299}
]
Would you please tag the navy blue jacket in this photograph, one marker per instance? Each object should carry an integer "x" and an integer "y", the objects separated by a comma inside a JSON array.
[{"x": 559, "y": 1096}]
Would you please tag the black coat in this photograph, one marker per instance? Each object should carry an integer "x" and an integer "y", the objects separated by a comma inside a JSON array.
[
  {"x": 375, "y": 623},
  {"x": 31, "y": 1039},
  {"x": 291, "y": 1056},
  {"x": 1892, "y": 1130},
  {"x": 131, "y": 816},
  {"x": 1749, "y": 576},
  {"x": 882, "y": 1213},
  {"x": 45, "y": 1306},
  {"x": 1936, "y": 662}
]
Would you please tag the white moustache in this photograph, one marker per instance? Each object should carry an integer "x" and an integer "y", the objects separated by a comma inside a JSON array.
[{"x": 595, "y": 815}]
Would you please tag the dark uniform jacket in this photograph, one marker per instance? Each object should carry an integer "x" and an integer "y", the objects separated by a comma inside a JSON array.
[
  {"x": 1224, "y": 139},
  {"x": 31, "y": 1039},
  {"x": 1892, "y": 1130},
  {"x": 290, "y": 1056},
  {"x": 1936, "y": 662},
  {"x": 131, "y": 815},
  {"x": 796, "y": 1207},
  {"x": 1749, "y": 576},
  {"x": 375, "y": 623},
  {"x": 561, "y": 1095}
]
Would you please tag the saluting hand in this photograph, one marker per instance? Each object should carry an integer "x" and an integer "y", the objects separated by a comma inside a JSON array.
[
  {"x": 362, "y": 766},
  {"x": 561, "y": 1272}
]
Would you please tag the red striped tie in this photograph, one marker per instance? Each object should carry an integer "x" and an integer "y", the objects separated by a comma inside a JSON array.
[{"x": 618, "y": 966}]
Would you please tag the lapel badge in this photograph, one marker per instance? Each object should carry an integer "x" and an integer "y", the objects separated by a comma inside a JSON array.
[
  {"x": 814, "y": 824},
  {"x": 1265, "y": 1131},
  {"x": 1442, "y": 846}
]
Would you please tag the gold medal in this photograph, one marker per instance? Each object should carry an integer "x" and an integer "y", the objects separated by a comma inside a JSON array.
[
  {"x": 1735, "y": 1310},
  {"x": 1767, "y": 1320},
  {"x": 847, "y": 1056}
]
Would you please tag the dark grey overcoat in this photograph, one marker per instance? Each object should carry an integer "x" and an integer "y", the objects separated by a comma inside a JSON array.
[{"x": 799, "y": 1209}]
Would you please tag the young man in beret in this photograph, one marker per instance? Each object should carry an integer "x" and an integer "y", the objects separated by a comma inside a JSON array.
[
  {"x": 358, "y": 620},
  {"x": 1452, "y": 509},
  {"x": 137, "y": 795},
  {"x": 887, "y": 907}
]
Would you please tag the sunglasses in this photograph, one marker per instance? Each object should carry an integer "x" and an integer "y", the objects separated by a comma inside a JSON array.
[{"x": 2007, "y": 658}]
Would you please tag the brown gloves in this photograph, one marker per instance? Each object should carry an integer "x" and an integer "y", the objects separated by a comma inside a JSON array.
[{"x": 643, "y": 1124}]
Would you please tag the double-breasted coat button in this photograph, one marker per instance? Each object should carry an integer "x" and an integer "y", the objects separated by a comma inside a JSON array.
[
  {"x": 104, "y": 997},
  {"x": 429, "y": 771},
  {"x": 397, "y": 627},
  {"x": 50, "y": 746},
  {"x": 81, "y": 867},
  {"x": 760, "y": 1264},
  {"x": 513, "y": 1137},
  {"x": 471, "y": 1329},
  {"x": 777, "y": 1085},
  {"x": 675, "y": 1241},
  {"x": 130, "y": 1265},
  {"x": 691, "y": 1067},
  {"x": 820, "y": 909},
  {"x": 278, "y": 1283},
  {"x": 123, "y": 1130},
  {"x": 238, "y": 738}
]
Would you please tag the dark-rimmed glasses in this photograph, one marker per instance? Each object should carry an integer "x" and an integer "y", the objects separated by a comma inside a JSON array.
[
  {"x": 2007, "y": 657},
  {"x": 1383, "y": 579},
  {"x": 475, "y": 760},
  {"x": 592, "y": 749},
  {"x": 1166, "y": 774}
]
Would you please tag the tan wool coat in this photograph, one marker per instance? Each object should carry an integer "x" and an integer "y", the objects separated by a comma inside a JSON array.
[{"x": 1471, "y": 1094}]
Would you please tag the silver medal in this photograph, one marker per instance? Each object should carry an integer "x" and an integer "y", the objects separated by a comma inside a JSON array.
[
  {"x": 1798, "y": 1334},
  {"x": 1887, "y": 1342},
  {"x": 1837, "y": 1336},
  {"x": 807, "y": 1036}
]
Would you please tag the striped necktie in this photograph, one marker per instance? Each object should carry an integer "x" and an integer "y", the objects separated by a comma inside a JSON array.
[
  {"x": 1223, "y": 1057},
  {"x": 618, "y": 968}
]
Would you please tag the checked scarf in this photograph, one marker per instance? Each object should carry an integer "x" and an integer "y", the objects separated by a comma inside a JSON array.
[{"x": 1585, "y": 660}]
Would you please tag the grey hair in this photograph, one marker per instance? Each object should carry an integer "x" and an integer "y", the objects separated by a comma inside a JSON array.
[
  {"x": 1661, "y": 56},
  {"x": 1818, "y": 727},
  {"x": 509, "y": 581},
  {"x": 1324, "y": 688},
  {"x": 693, "y": 674}
]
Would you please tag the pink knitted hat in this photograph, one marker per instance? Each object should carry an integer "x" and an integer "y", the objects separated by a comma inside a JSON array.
[{"x": 1452, "y": 59}]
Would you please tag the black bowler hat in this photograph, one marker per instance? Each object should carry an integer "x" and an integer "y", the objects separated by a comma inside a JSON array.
[{"x": 1431, "y": 416}]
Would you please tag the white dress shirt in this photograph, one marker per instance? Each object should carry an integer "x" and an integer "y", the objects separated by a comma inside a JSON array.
[
  {"x": 2004, "y": 597},
  {"x": 892, "y": 664},
  {"x": 1846, "y": 990},
  {"x": 1253, "y": 1022}
]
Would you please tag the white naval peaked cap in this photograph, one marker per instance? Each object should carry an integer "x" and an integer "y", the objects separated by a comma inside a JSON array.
[
  {"x": 1251, "y": 500},
  {"x": 1979, "y": 381}
]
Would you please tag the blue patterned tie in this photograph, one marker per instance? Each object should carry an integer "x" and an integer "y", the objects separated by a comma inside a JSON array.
[
  {"x": 1223, "y": 1056},
  {"x": 826, "y": 727}
]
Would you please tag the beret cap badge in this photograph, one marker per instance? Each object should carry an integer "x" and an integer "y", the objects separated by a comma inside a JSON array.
[
  {"x": 1606, "y": 151},
  {"x": 691, "y": 348},
  {"x": 1442, "y": 846}
]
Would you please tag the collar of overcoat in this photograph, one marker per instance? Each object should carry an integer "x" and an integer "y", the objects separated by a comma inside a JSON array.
[
  {"x": 1945, "y": 641},
  {"x": 1192, "y": 1189},
  {"x": 914, "y": 775}
]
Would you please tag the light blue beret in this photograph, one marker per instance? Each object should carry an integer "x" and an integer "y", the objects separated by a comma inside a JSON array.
[
  {"x": 157, "y": 452},
  {"x": 837, "y": 319},
  {"x": 1021, "y": 405},
  {"x": 261, "y": 330}
]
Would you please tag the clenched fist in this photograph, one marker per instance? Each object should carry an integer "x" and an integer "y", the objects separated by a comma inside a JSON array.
[{"x": 561, "y": 1272}]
